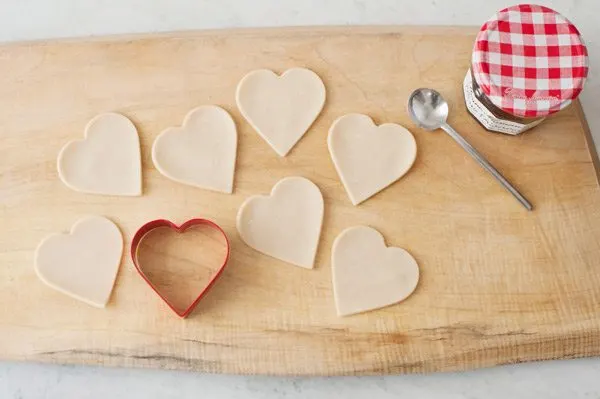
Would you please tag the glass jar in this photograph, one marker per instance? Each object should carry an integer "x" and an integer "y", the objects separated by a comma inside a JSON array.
[{"x": 528, "y": 62}]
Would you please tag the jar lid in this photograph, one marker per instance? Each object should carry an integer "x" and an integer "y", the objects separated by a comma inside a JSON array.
[{"x": 530, "y": 61}]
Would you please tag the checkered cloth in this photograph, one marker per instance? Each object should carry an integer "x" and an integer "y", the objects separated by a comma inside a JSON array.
[{"x": 530, "y": 61}]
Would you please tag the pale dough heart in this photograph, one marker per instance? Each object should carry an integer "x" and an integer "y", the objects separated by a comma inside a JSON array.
[
  {"x": 202, "y": 152},
  {"x": 107, "y": 161},
  {"x": 367, "y": 157},
  {"x": 281, "y": 108},
  {"x": 368, "y": 275},
  {"x": 84, "y": 263},
  {"x": 285, "y": 225}
]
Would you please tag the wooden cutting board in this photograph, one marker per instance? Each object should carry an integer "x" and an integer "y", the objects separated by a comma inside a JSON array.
[{"x": 499, "y": 284}]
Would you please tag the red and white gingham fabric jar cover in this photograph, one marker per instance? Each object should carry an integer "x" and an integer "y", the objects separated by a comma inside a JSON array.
[{"x": 530, "y": 61}]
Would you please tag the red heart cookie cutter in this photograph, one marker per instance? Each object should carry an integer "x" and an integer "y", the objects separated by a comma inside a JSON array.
[{"x": 155, "y": 224}]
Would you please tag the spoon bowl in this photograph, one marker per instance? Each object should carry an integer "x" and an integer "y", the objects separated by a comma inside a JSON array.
[{"x": 428, "y": 109}]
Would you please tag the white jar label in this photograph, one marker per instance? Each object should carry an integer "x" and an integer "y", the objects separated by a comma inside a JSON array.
[{"x": 486, "y": 117}]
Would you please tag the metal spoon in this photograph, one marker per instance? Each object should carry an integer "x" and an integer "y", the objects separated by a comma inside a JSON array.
[{"x": 429, "y": 110}]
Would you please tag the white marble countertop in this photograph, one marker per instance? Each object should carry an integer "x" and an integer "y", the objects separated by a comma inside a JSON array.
[{"x": 35, "y": 19}]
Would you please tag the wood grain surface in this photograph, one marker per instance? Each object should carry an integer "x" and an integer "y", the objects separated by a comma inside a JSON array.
[{"x": 498, "y": 284}]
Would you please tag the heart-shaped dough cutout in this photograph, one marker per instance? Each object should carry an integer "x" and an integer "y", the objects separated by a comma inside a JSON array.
[
  {"x": 84, "y": 263},
  {"x": 202, "y": 152},
  {"x": 285, "y": 225},
  {"x": 367, "y": 275},
  {"x": 281, "y": 108},
  {"x": 180, "y": 271},
  {"x": 107, "y": 161},
  {"x": 367, "y": 157}
]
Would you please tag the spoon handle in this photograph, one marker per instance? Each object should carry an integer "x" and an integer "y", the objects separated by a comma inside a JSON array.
[{"x": 486, "y": 165}]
